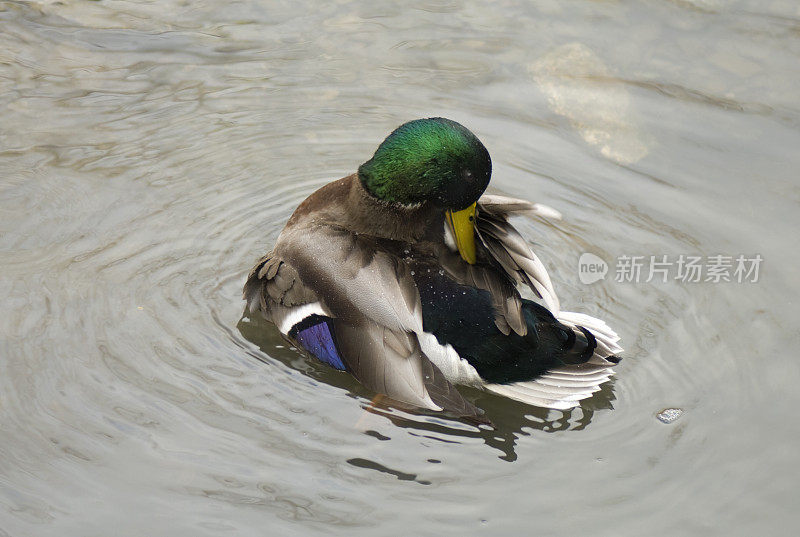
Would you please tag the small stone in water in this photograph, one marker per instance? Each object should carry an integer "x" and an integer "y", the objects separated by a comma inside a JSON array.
[{"x": 668, "y": 415}]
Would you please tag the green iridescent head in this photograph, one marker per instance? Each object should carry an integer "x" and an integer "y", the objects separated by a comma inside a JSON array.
[{"x": 434, "y": 159}]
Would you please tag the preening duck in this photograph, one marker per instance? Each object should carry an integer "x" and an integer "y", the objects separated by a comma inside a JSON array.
[{"x": 407, "y": 276}]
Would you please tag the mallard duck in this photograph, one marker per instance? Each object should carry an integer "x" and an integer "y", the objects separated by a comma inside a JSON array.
[{"x": 408, "y": 276}]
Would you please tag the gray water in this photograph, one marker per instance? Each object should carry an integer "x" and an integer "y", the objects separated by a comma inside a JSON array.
[{"x": 151, "y": 151}]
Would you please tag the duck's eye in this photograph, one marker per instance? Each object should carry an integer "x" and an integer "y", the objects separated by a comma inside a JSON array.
[{"x": 467, "y": 175}]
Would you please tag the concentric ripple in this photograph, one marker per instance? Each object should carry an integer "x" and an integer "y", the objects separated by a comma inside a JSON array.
[{"x": 151, "y": 152}]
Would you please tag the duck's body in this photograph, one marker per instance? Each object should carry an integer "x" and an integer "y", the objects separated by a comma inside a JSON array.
[{"x": 393, "y": 292}]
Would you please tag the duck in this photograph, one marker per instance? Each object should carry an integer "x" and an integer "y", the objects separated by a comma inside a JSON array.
[{"x": 408, "y": 276}]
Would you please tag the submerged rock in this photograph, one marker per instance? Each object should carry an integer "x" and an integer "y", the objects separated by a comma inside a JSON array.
[{"x": 579, "y": 86}]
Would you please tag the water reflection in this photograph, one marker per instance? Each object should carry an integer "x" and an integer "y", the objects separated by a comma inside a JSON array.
[
  {"x": 508, "y": 420},
  {"x": 372, "y": 465}
]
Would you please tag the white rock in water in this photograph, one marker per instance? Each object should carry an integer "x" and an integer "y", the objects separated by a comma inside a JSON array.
[
  {"x": 580, "y": 87},
  {"x": 668, "y": 415}
]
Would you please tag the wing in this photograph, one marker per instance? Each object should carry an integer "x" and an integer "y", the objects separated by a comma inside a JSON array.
[
  {"x": 518, "y": 261},
  {"x": 392, "y": 363},
  {"x": 506, "y": 300},
  {"x": 517, "y": 264},
  {"x": 274, "y": 288},
  {"x": 565, "y": 386},
  {"x": 369, "y": 303},
  {"x": 509, "y": 249}
]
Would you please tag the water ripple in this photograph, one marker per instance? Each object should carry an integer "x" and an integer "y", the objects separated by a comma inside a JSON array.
[{"x": 149, "y": 153}]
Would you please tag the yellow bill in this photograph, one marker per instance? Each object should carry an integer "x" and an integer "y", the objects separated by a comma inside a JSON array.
[{"x": 462, "y": 224}]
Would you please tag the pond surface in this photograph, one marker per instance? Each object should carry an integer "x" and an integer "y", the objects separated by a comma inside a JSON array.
[{"x": 151, "y": 151}]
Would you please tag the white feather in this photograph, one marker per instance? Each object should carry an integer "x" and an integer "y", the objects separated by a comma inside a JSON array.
[
  {"x": 552, "y": 390},
  {"x": 445, "y": 357},
  {"x": 606, "y": 338},
  {"x": 449, "y": 240},
  {"x": 509, "y": 205},
  {"x": 545, "y": 211},
  {"x": 520, "y": 392},
  {"x": 286, "y": 318}
]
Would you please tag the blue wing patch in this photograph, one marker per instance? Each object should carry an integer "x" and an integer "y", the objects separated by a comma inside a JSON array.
[{"x": 316, "y": 339}]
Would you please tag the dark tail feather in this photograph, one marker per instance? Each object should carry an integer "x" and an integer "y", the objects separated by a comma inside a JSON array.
[
  {"x": 579, "y": 344},
  {"x": 587, "y": 350},
  {"x": 568, "y": 343}
]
